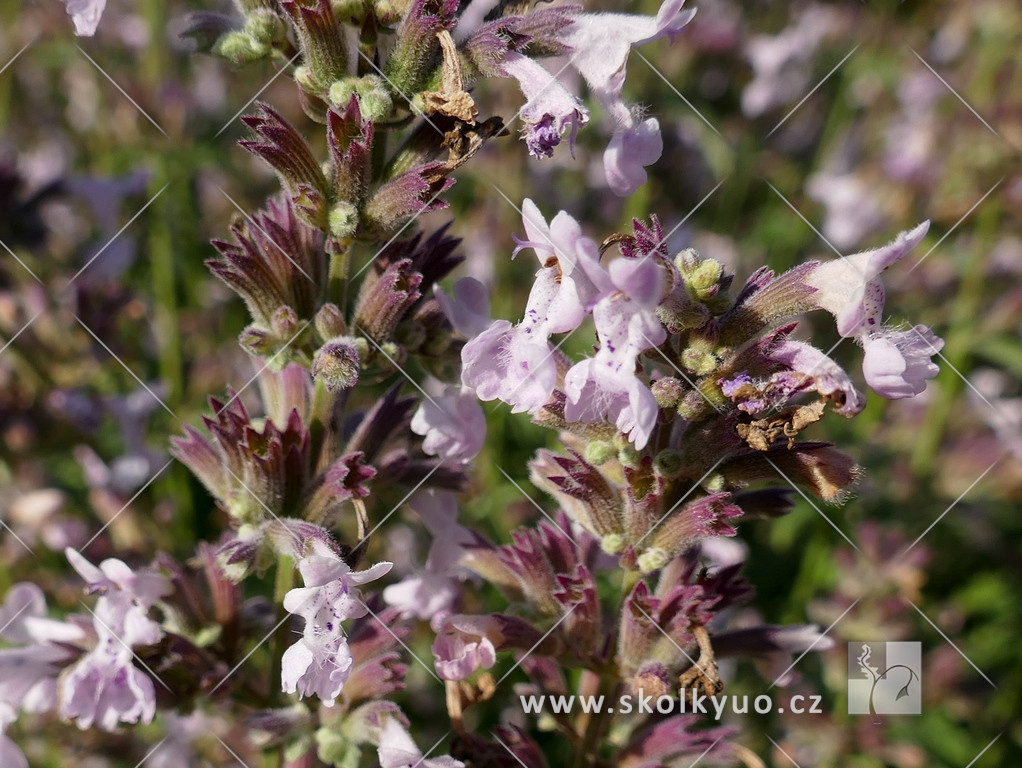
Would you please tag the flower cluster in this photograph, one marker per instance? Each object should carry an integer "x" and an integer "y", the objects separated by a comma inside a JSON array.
[{"x": 368, "y": 405}]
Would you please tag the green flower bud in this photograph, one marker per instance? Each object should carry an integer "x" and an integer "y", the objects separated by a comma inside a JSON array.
[
  {"x": 613, "y": 544},
  {"x": 668, "y": 391},
  {"x": 653, "y": 560},
  {"x": 715, "y": 483},
  {"x": 669, "y": 463},
  {"x": 240, "y": 48},
  {"x": 343, "y": 220},
  {"x": 600, "y": 452},
  {"x": 629, "y": 457},
  {"x": 699, "y": 361}
]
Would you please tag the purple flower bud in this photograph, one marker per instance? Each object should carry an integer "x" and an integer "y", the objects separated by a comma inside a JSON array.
[
  {"x": 416, "y": 51},
  {"x": 281, "y": 146},
  {"x": 384, "y": 299},
  {"x": 405, "y": 197},
  {"x": 350, "y": 139},
  {"x": 336, "y": 364}
]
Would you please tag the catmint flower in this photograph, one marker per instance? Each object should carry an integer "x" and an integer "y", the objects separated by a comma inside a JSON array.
[
  {"x": 628, "y": 154},
  {"x": 468, "y": 308},
  {"x": 142, "y": 587},
  {"x": 86, "y": 15},
  {"x": 28, "y": 675},
  {"x": 601, "y": 43},
  {"x": 805, "y": 368},
  {"x": 850, "y": 289},
  {"x": 104, "y": 687},
  {"x": 461, "y": 647},
  {"x": 605, "y": 386},
  {"x": 10, "y": 755},
  {"x": 897, "y": 364},
  {"x": 397, "y": 750},
  {"x": 515, "y": 363},
  {"x": 550, "y": 109},
  {"x": 453, "y": 425},
  {"x": 433, "y": 594},
  {"x": 773, "y": 648},
  {"x": 320, "y": 662}
]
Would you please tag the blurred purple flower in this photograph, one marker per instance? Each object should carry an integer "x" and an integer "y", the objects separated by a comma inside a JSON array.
[
  {"x": 85, "y": 14},
  {"x": 433, "y": 594},
  {"x": 852, "y": 207},
  {"x": 453, "y": 425},
  {"x": 10, "y": 755}
]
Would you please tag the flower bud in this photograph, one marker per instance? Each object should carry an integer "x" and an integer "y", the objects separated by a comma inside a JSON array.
[
  {"x": 699, "y": 357},
  {"x": 668, "y": 391},
  {"x": 653, "y": 559},
  {"x": 240, "y": 48},
  {"x": 336, "y": 364},
  {"x": 330, "y": 322},
  {"x": 257, "y": 340},
  {"x": 600, "y": 452},
  {"x": 285, "y": 323},
  {"x": 613, "y": 544},
  {"x": 342, "y": 220},
  {"x": 669, "y": 464}
]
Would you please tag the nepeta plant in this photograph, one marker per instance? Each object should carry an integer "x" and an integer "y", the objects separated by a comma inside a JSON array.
[{"x": 697, "y": 394}]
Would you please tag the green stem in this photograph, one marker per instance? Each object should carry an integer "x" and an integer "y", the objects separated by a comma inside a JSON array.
[{"x": 337, "y": 282}]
